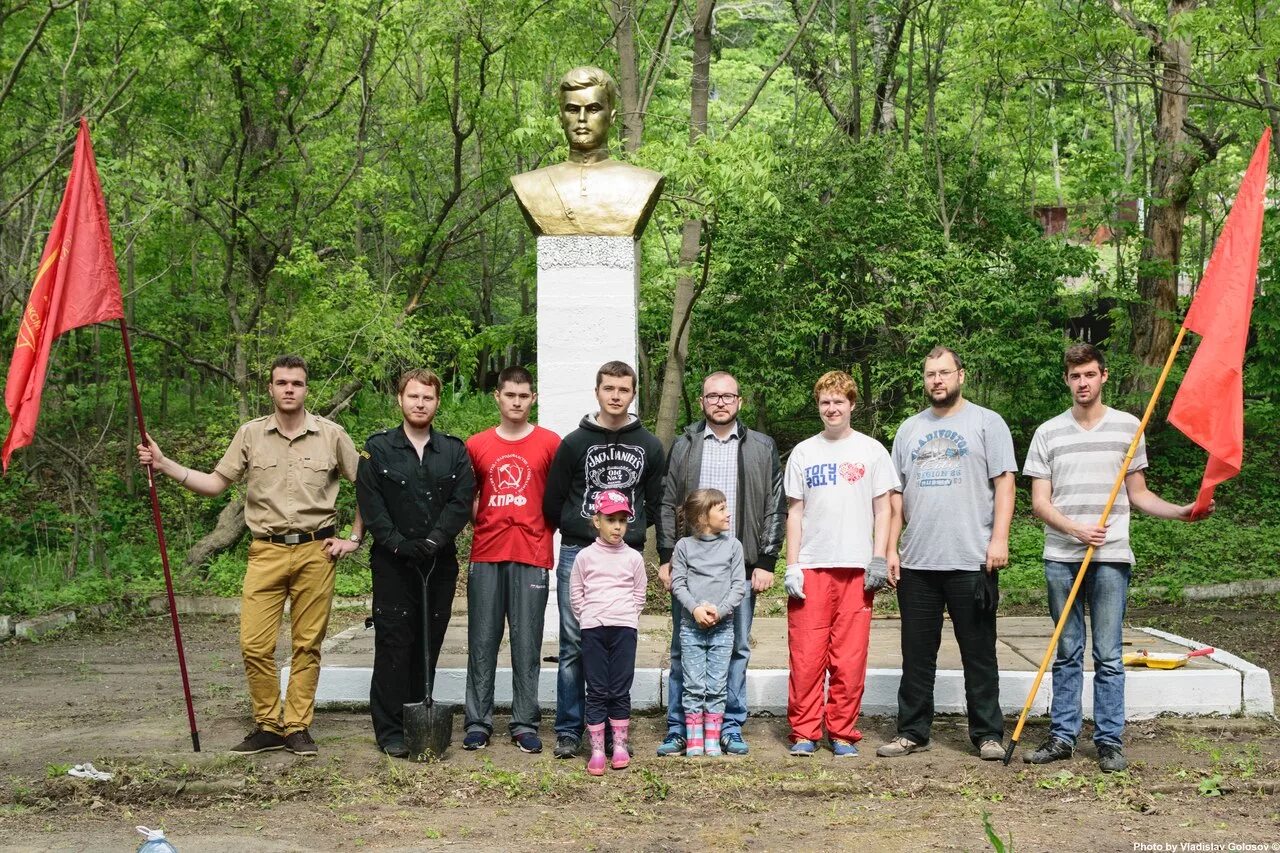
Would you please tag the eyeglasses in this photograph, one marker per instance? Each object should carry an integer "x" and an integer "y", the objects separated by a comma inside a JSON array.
[
  {"x": 939, "y": 374},
  {"x": 720, "y": 399}
]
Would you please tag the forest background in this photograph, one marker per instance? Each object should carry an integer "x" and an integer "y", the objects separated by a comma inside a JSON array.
[{"x": 849, "y": 183}]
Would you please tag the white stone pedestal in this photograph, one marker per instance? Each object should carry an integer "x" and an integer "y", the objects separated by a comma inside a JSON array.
[
  {"x": 588, "y": 293},
  {"x": 588, "y": 313}
]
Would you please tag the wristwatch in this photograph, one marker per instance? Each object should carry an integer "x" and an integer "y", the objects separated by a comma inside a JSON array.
[{"x": 354, "y": 538}]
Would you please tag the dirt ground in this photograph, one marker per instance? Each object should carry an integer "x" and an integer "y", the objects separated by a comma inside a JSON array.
[{"x": 110, "y": 694}]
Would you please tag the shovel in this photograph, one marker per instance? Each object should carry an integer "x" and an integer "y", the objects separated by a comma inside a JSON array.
[{"x": 428, "y": 727}]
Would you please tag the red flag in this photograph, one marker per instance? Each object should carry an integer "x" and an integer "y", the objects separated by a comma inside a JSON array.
[
  {"x": 1209, "y": 407},
  {"x": 76, "y": 284}
]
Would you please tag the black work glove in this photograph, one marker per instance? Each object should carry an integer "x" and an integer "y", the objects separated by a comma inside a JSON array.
[
  {"x": 418, "y": 550},
  {"x": 986, "y": 595}
]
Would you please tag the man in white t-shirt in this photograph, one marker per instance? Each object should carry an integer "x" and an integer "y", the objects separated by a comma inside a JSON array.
[
  {"x": 1073, "y": 462},
  {"x": 837, "y": 484}
]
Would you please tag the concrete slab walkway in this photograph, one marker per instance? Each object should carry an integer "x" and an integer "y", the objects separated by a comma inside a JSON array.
[{"x": 1219, "y": 684}]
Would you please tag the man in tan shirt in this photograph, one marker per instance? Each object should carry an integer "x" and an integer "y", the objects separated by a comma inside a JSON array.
[{"x": 290, "y": 462}]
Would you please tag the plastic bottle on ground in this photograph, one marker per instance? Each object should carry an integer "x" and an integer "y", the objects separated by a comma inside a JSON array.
[{"x": 155, "y": 841}]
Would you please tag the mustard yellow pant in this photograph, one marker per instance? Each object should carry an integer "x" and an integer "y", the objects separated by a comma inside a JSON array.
[{"x": 303, "y": 574}]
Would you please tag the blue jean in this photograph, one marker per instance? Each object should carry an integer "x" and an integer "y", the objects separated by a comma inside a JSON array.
[
  {"x": 735, "y": 708},
  {"x": 704, "y": 654},
  {"x": 1105, "y": 588},
  {"x": 570, "y": 684}
]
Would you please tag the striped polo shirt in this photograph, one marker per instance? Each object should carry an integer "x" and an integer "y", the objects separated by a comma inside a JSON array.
[{"x": 1081, "y": 466}]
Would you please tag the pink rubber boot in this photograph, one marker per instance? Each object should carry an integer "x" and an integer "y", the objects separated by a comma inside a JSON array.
[
  {"x": 712, "y": 734},
  {"x": 595, "y": 764},
  {"x": 621, "y": 734},
  {"x": 693, "y": 735}
]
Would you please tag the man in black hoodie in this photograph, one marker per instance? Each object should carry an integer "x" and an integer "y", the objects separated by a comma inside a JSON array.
[{"x": 608, "y": 450}]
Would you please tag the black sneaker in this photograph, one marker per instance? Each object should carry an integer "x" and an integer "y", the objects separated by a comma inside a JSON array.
[
  {"x": 1054, "y": 749},
  {"x": 258, "y": 740},
  {"x": 1111, "y": 758},
  {"x": 300, "y": 743},
  {"x": 476, "y": 739},
  {"x": 395, "y": 748},
  {"x": 566, "y": 746}
]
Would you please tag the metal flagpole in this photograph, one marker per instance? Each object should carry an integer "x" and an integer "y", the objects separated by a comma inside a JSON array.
[{"x": 164, "y": 550}]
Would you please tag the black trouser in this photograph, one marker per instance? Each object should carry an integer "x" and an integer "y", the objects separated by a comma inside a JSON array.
[
  {"x": 609, "y": 662},
  {"x": 397, "y": 639},
  {"x": 922, "y": 597}
]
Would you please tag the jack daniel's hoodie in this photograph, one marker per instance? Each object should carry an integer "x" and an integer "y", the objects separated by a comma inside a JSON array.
[{"x": 592, "y": 459}]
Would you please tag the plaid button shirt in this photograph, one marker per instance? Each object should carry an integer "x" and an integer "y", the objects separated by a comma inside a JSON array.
[{"x": 720, "y": 469}]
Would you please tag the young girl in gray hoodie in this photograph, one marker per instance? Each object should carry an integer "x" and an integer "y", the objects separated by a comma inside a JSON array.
[{"x": 708, "y": 578}]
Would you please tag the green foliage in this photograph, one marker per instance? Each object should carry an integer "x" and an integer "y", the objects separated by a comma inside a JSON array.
[
  {"x": 332, "y": 179},
  {"x": 997, "y": 843}
]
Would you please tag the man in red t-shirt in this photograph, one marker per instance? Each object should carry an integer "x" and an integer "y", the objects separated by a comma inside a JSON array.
[{"x": 511, "y": 555}]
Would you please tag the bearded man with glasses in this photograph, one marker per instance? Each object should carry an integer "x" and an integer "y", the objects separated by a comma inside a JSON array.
[
  {"x": 718, "y": 452},
  {"x": 956, "y": 463}
]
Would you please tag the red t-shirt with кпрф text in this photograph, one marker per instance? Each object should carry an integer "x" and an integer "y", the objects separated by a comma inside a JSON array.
[{"x": 511, "y": 477}]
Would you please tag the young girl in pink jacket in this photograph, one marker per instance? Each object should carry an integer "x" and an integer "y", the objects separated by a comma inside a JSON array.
[{"x": 606, "y": 591}]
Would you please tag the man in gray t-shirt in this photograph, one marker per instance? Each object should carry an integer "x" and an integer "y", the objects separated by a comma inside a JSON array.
[{"x": 956, "y": 463}]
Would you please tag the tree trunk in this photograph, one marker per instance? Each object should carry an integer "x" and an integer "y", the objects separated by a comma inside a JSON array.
[
  {"x": 225, "y": 534},
  {"x": 1153, "y": 315},
  {"x": 690, "y": 237},
  {"x": 623, "y": 14},
  {"x": 855, "y": 72}
]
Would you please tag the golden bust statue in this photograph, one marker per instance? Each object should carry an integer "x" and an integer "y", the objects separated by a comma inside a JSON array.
[{"x": 590, "y": 193}]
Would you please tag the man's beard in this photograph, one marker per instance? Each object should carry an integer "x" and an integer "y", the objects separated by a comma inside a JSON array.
[{"x": 948, "y": 400}]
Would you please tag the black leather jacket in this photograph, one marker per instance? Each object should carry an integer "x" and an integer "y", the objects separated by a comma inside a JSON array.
[{"x": 403, "y": 498}]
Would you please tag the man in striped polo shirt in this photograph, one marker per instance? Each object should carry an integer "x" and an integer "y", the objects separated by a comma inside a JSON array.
[{"x": 1073, "y": 462}]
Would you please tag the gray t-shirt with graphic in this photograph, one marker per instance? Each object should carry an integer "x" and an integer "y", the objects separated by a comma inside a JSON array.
[{"x": 946, "y": 466}]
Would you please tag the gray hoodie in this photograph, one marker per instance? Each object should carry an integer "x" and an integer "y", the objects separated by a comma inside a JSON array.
[{"x": 708, "y": 570}]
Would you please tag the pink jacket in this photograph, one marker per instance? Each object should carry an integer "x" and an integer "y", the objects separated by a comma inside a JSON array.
[{"x": 607, "y": 585}]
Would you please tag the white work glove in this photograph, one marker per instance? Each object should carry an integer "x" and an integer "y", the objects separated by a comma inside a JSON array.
[
  {"x": 793, "y": 580},
  {"x": 877, "y": 576}
]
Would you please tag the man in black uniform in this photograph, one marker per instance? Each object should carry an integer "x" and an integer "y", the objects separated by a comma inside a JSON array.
[{"x": 414, "y": 488}]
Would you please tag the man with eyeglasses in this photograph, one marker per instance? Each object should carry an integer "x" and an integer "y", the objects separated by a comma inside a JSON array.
[
  {"x": 718, "y": 452},
  {"x": 956, "y": 463}
]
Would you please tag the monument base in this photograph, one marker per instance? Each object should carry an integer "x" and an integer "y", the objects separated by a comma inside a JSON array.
[{"x": 588, "y": 313}]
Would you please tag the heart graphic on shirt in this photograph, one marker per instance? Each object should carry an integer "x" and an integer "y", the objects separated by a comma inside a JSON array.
[{"x": 852, "y": 471}]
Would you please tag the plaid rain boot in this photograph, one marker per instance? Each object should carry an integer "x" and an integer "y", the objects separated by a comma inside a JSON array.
[
  {"x": 712, "y": 734},
  {"x": 693, "y": 735}
]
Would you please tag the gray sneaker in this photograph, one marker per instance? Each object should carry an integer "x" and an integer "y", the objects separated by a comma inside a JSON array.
[
  {"x": 1111, "y": 758},
  {"x": 901, "y": 746},
  {"x": 566, "y": 746},
  {"x": 991, "y": 750}
]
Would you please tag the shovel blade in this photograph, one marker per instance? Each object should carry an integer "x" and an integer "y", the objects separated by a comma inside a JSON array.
[{"x": 428, "y": 729}]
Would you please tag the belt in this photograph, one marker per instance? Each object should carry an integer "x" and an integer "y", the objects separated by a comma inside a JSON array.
[{"x": 297, "y": 538}]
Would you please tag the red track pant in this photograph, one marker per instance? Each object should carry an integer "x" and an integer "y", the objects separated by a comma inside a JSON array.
[{"x": 827, "y": 634}]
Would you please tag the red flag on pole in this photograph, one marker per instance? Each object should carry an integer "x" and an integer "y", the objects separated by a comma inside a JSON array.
[
  {"x": 1209, "y": 406},
  {"x": 76, "y": 284}
]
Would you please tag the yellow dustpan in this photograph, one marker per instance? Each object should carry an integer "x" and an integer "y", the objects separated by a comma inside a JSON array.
[{"x": 1163, "y": 660}]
